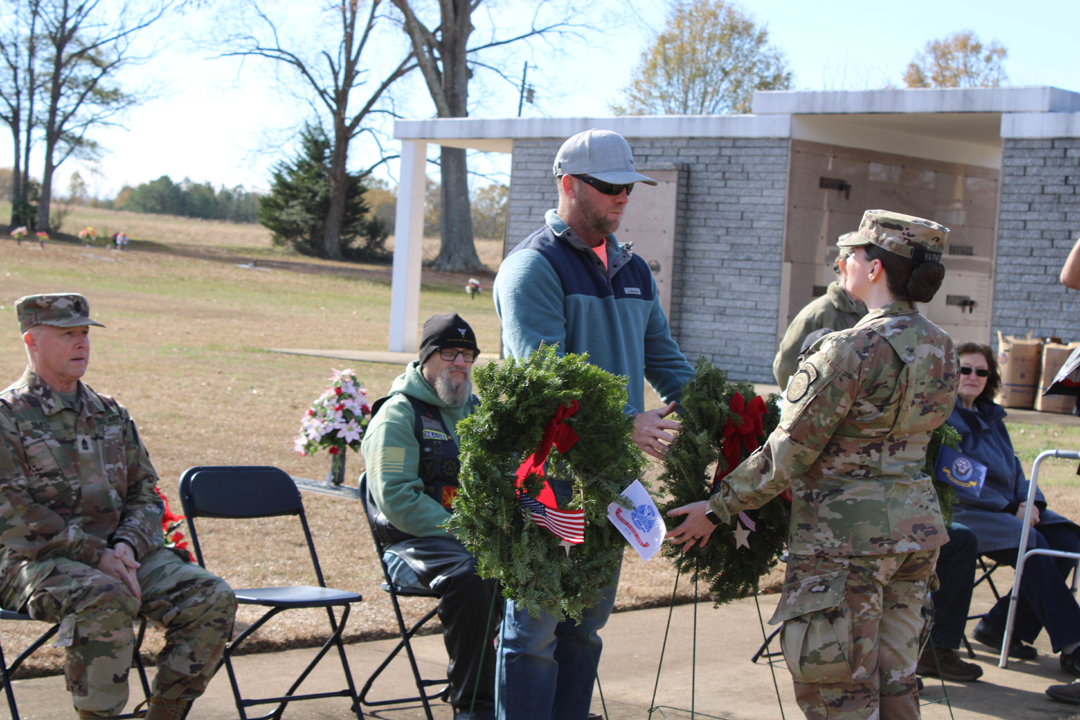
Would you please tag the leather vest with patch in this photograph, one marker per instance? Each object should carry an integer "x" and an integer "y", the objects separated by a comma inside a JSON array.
[{"x": 438, "y": 468}]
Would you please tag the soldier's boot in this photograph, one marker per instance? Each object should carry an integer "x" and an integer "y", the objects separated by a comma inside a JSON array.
[{"x": 162, "y": 709}]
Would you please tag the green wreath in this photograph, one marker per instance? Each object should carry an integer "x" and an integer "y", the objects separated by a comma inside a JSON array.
[
  {"x": 945, "y": 434},
  {"x": 730, "y": 571},
  {"x": 707, "y": 412},
  {"x": 537, "y": 570}
]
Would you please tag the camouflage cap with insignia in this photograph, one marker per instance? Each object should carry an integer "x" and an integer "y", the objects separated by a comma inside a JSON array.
[
  {"x": 906, "y": 235},
  {"x": 57, "y": 309}
]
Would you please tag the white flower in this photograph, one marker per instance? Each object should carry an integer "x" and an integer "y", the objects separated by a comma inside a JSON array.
[{"x": 351, "y": 432}]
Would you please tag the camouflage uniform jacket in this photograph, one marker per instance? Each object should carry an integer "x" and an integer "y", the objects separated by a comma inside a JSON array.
[
  {"x": 72, "y": 482},
  {"x": 852, "y": 440}
]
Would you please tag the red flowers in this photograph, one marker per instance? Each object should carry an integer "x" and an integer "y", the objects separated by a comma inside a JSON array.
[{"x": 170, "y": 524}]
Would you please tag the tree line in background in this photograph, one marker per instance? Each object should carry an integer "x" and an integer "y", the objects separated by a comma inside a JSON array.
[
  {"x": 189, "y": 199},
  {"x": 60, "y": 63},
  {"x": 201, "y": 200}
]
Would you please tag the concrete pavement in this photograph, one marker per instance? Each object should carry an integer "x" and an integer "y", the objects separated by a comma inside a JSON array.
[{"x": 722, "y": 683}]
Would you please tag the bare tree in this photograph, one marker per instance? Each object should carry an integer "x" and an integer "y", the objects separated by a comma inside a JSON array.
[
  {"x": 333, "y": 76},
  {"x": 960, "y": 60},
  {"x": 444, "y": 54},
  {"x": 18, "y": 89},
  {"x": 85, "y": 44}
]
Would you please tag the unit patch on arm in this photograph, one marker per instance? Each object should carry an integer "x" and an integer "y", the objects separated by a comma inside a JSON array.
[{"x": 801, "y": 383}]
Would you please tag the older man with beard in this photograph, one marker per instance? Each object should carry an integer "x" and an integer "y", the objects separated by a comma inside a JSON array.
[{"x": 411, "y": 450}]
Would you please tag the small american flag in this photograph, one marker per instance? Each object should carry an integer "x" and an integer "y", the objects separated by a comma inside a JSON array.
[{"x": 566, "y": 524}]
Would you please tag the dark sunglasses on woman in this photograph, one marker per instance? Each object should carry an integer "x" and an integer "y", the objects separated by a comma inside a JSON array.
[
  {"x": 981, "y": 372},
  {"x": 605, "y": 187}
]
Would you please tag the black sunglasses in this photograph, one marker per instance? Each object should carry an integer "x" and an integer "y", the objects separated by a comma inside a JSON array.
[
  {"x": 980, "y": 372},
  {"x": 606, "y": 187}
]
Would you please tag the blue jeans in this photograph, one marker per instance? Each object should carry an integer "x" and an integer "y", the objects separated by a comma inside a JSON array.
[
  {"x": 956, "y": 575},
  {"x": 546, "y": 666}
]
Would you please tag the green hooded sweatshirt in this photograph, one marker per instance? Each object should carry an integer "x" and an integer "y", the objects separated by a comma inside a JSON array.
[{"x": 392, "y": 455}]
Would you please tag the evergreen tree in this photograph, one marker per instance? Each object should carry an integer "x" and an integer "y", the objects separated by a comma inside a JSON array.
[{"x": 296, "y": 208}]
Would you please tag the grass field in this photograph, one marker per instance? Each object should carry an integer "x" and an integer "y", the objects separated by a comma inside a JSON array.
[{"x": 186, "y": 349}]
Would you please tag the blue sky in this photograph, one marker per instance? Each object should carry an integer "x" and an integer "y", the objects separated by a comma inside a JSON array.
[{"x": 219, "y": 121}]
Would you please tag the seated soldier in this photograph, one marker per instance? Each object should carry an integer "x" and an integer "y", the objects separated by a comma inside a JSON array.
[
  {"x": 81, "y": 541},
  {"x": 411, "y": 451}
]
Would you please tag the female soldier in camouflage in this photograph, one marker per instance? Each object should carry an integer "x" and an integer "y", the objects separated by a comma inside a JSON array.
[{"x": 865, "y": 522}]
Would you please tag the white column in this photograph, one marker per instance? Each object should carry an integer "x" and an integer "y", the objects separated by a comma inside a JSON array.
[{"x": 408, "y": 247}]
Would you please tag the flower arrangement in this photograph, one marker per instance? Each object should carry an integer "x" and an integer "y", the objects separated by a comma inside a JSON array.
[
  {"x": 473, "y": 288},
  {"x": 170, "y": 526},
  {"x": 336, "y": 420},
  {"x": 88, "y": 235},
  {"x": 19, "y": 233},
  {"x": 43, "y": 236}
]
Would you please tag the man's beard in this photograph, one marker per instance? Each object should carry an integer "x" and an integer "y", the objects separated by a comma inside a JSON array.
[
  {"x": 452, "y": 396},
  {"x": 598, "y": 221}
]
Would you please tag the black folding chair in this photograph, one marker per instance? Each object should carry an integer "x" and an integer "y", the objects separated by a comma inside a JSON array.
[
  {"x": 6, "y": 671},
  {"x": 406, "y": 632},
  {"x": 986, "y": 575},
  {"x": 260, "y": 492}
]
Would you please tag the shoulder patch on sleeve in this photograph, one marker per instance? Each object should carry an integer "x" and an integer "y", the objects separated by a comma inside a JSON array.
[{"x": 801, "y": 382}]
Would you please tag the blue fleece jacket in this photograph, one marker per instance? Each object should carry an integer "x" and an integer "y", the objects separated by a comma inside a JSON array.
[{"x": 553, "y": 289}]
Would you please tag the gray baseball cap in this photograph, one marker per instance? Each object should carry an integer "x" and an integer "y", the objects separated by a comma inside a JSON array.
[{"x": 601, "y": 154}]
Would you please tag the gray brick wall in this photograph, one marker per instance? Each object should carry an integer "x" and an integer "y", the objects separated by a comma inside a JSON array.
[
  {"x": 1038, "y": 223},
  {"x": 729, "y": 247}
]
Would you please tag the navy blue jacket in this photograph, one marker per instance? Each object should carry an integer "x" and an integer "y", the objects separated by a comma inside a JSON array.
[{"x": 992, "y": 515}]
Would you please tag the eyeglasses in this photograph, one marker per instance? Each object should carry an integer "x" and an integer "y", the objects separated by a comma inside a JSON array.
[
  {"x": 606, "y": 187},
  {"x": 450, "y": 355},
  {"x": 980, "y": 372}
]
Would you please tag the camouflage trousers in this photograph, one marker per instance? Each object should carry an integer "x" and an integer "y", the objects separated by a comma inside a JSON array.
[
  {"x": 853, "y": 629},
  {"x": 97, "y": 613}
]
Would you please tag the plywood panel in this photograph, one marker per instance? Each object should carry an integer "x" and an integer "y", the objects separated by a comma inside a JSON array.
[
  {"x": 649, "y": 223},
  {"x": 963, "y": 198}
]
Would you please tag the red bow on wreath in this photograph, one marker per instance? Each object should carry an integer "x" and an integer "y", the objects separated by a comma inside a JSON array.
[
  {"x": 569, "y": 525},
  {"x": 747, "y": 426}
]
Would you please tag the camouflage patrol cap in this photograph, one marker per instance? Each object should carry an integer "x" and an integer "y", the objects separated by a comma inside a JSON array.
[
  {"x": 58, "y": 309},
  {"x": 908, "y": 236}
]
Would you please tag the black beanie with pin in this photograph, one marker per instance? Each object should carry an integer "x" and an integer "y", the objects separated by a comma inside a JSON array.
[{"x": 446, "y": 331}]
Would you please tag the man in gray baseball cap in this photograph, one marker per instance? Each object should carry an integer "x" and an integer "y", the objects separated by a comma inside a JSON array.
[
  {"x": 573, "y": 285},
  {"x": 601, "y": 155}
]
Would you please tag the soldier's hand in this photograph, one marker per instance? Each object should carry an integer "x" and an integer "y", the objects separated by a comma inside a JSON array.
[
  {"x": 119, "y": 562},
  {"x": 650, "y": 431},
  {"x": 695, "y": 527}
]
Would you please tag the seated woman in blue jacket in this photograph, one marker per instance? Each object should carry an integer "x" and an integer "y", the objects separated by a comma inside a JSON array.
[{"x": 996, "y": 518}]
